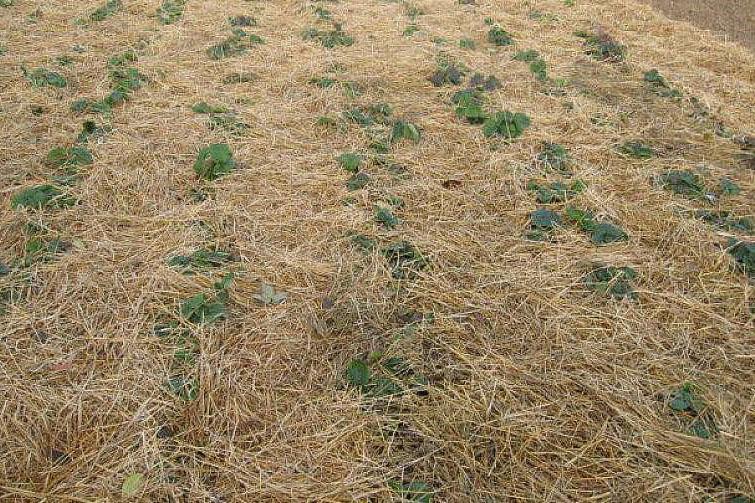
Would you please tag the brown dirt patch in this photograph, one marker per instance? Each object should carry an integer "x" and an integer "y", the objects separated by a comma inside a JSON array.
[{"x": 733, "y": 19}]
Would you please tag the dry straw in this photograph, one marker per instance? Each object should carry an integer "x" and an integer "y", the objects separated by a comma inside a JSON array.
[{"x": 539, "y": 390}]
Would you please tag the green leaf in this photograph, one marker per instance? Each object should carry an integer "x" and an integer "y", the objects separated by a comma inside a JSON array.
[
  {"x": 214, "y": 161},
  {"x": 544, "y": 219},
  {"x": 729, "y": 187},
  {"x": 637, "y": 149},
  {"x": 682, "y": 182},
  {"x": 40, "y": 77},
  {"x": 605, "y": 233},
  {"x": 186, "y": 388},
  {"x": 357, "y": 181},
  {"x": 614, "y": 281},
  {"x": 41, "y": 196},
  {"x": 527, "y": 56},
  {"x": 405, "y": 130},
  {"x": 385, "y": 217},
  {"x": 500, "y": 37},
  {"x": 205, "y": 108},
  {"x": 132, "y": 485},
  {"x": 506, "y": 124},
  {"x": 358, "y": 373},
  {"x": 743, "y": 253},
  {"x": 418, "y": 492},
  {"x": 404, "y": 259},
  {"x": 69, "y": 156},
  {"x": 350, "y": 161}
]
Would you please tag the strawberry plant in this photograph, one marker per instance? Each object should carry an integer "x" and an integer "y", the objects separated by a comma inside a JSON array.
[
  {"x": 506, "y": 124},
  {"x": 404, "y": 130},
  {"x": 207, "y": 308},
  {"x": 40, "y": 77},
  {"x": 404, "y": 259},
  {"x": 743, "y": 253},
  {"x": 170, "y": 11},
  {"x": 614, "y": 281},
  {"x": 214, "y": 161},
  {"x": 500, "y": 37},
  {"x": 69, "y": 156},
  {"x": 41, "y": 196}
]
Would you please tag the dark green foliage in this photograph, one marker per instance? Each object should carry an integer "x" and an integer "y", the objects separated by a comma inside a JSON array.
[
  {"x": 207, "y": 308},
  {"x": 123, "y": 59},
  {"x": 447, "y": 74},
  {"x": 605, "y": 233},
  {"x": 106, "y": 10},
  {"x": 404, "y": 259},
  {"x": 244, "y": 21},
  {"x": 469, "y": 106},
  {"x": 544, "y": 219},
  {"x": 41, "y": 196},
  {"x": 467, "y": 43},
  {"x": 358, "y": 116},
  {"x": 506, "y": 124},
  {"x": 329, "y": 38},
  {"x": 527, "y": 56},
  {"x": 385, "y": 217},
  {"x": 539, "y": 69},
  {"x": 601, "y": 46},
  {"x": 725, "y": 220},
  {"x": 556, "y": 192},
  {"x": 393, "y": 377},
  {"x": 238, "y": 43},
  {"x": 125, "y": 80},
  {"x": 69, "y": 156},
  {"x": 40, "y": 77},
  {"x": 365, "y": 243},
  {"x": 357, "y": 181},
  {"x": 214, "y": 161},
  {"x": 480, "y": 82},
  {"x": 357, "y": 373},
  {"x": 659, "y": 85},
  {"x": 205, "y": 108},
  {"x": 6, "y": 3},
  {"x": 410, "y": 30},
  {"x": 743, "y": 253},
  {"x": 405, "y": 130},
  {"x": 613, "y": 281},
  {"x": 500, "y": 37},
  {"x": 601, "y": 233},
  {"x": 682, "y": 182},
  {"x": 637, "y": 149},
  {"x": 416, "y": 492},
  {"x": 323, "y": 82},
  {"x": 200, "y": 259},
  {"x": 686, "y": 401},
  {"x": 171, "y": 11},
  {"x": 186, "y": 388},
  {"x": 350, "y": 161},
  {"x": 728, "y": 187},
  {"x": 555, "y": 157},
  {"x": 39, "y": 248}
]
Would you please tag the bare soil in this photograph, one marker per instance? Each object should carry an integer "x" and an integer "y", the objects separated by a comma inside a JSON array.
[{"x": 732, "y": 19}]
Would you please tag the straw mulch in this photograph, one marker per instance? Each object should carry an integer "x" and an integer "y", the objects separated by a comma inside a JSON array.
[{"x": 535, "y": 388}]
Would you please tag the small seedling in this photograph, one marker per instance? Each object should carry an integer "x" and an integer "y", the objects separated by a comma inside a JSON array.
[
  {"x": 104, "y": 11},
  {"x": 410, "y": 30},
  {"x": 527, "y": 56},
  {"x": 41, "y": 196},
  {"x": 659, "y": 85},
  {"x": 39, "y": 248},
  {"x": 687, "y": 402},
  {"x": 506, "y": 124},
  {"x": 214, "y": 161},
  {"x": 326, "y": 121},
  {"x": 728, "y": 187},
  {"x": 405, "y": 130},
  {"x": 637, "y": 150},
  {"x": 69, "y": 156},
  {"x": 743, "y": 253},
  {"x": 200, "y": 259},
  {"x": 613, "y": 281},
  {"x": 170, "y": 11},
  {"x": 330, "y": 39},
  {"x": 556, "y": 192},
  {"x": 205, "y": 108},
  {"x": 601, "y": 46},
  {"x": 482, "y": 83},
  {"x": 207, "y": 308},
  {"x": 385, "y": 217},
  {"x": 364, "y": 243},
  {"x": 242, "y": 21},
  {"x": 416, "y": 491},
  {"x": 555, "y": 157},
  {"x": 90, "y": 129},
  {"x": 357, "y": 181},
  {"x": 500, "y": 37},
  {"x": 601, "y": 233},
  {"x": 350, "y": 161},
  {"x": 544, "y": 220},
  {"x": 186, "y": 388},
  {"x": 404, "y": 259},
  {"x": 467, "y": 43},
  {"x": 227, "y": 122},
  {"x": 725, "y": 220},
  {"x": 469, "y": 106},
  {"x": 447, "y": 74},
  {"x": 682, "y": 182},
  {"x": 238, "y": 43},
  {"x": 40, "y": 77}
]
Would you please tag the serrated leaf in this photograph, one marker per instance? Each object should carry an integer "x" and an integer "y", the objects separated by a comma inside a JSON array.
[{"x": 358, "y": 373}]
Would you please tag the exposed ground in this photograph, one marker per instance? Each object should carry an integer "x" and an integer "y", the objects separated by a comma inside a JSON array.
[
  {"x": 550, "y": 305},
  {"x": 732, "y": 20}
]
